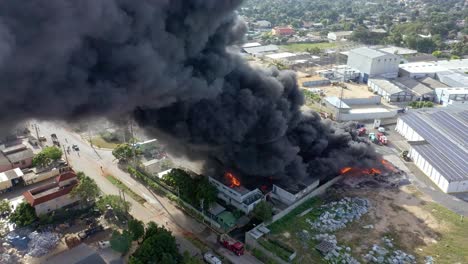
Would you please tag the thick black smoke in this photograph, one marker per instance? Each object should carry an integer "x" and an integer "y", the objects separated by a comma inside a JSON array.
[{"x": 167, "y": 63}]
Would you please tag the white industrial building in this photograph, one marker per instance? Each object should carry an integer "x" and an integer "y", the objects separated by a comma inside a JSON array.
[
  {"x": 238, "y": 196},
  {"x": 373, "y": 63},
  {"x": 451, "y": 95},
  {"x": 439, "y": 145},
  {"x": 289, "y": 194},
  {"x": 453, "y": 71},
  {"x": 390, "y": 91},
  {"x": 339, "y": 35}
]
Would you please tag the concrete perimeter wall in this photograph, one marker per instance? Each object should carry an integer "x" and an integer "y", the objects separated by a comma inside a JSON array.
[{"x": 363, "y": 101}]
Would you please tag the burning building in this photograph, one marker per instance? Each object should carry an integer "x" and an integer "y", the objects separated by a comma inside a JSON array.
[
  {"x": 232, "y": 192},
  {"x": 168, "y": 64}
]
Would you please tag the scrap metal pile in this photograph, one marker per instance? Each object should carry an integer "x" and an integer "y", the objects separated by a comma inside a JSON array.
[{"x": 41, "y": 243}]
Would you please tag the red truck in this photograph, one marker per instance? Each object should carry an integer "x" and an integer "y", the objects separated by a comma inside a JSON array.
[{"x": 231, "y": 244}]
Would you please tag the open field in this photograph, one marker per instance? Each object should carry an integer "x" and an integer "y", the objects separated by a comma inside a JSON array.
[
  {"x": 302, "y": 47},
  {"x": 417, "y": 226},
  {"x": 101, "y": 143}
]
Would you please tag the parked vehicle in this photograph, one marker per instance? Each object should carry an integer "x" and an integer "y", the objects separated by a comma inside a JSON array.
[
  {"x": 75, "y": 148},
  {"x": 405, "y": 156},
  {"x": 42, "y": 138},
  {"x": 212, "y": 259},
  {"x": 231, "y": 244},
  {"x": 90, "y": 231},
  {"x": 379, "y": 139},
  {"x": 104, "y": 244},
  {"x": 381, "y": 129}
]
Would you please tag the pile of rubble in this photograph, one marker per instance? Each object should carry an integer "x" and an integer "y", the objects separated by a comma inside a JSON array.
[
  {"x": 388, "y": 255},
  {"x": 335, "y": 254},
  {"x": 338, "y": 214},
  {"x": 41, "y": 243}
]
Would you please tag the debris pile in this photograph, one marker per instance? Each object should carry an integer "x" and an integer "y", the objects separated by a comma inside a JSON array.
[
  {"x": 387, "y": 255},
  {"x": 333, "y": 253},
  {"x": 338, "y": 214},
  {"x": 41, "y": 243}
]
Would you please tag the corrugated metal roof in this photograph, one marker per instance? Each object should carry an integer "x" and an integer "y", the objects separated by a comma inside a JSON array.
[
  {"x": 261, "y": 49},
  {"x": 387, "y": 86},
  {"x": 447, "y": 144},
  {"x": 336, "y": 102},
  {"x": 369, "y": 53},
  {"x": 414, "y": 86},
  {"x": 21, "y": 155}
]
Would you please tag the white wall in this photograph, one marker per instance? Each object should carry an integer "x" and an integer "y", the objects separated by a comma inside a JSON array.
[
  {"x": 55, "y": 204},
  {"x": 459, "y": 186},
  {"x": 430, "y": 171},
  {"x": 407, "y": 131}
]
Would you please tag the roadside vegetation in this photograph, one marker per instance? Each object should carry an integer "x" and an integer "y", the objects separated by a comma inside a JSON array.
[
  {"x": 47, "y": 156},
  {"x": 126, "y": 189}
]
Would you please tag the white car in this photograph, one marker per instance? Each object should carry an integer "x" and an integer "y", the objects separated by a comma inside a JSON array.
[
  {"x": 104, "y": 244},
  {"x": 212, "y": 259}
]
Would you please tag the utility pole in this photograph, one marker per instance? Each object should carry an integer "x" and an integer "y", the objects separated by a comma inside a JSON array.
[
  {"x": 37, "y": 135},
  {"x": 64, "y": 152},
  {"x": 133, "y": 144}
]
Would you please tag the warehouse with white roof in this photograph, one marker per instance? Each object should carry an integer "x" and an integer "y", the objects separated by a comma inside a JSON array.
[{"x": 439, "y": 145}]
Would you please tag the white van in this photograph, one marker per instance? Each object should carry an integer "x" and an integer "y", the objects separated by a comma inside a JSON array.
[{"x": 212, "y": 259}]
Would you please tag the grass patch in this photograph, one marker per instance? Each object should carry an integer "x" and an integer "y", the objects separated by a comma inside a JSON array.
[
  {"x": 302, "y": 47},
  {"x": 275, "y": 247},
  {"x": 197, "y": 243},
  {"x": 292, "y": 223},
  {"x": 262, "y": 257},
  {"x": 452, "y": 247},
  {"x": 125, "y": 188},
  {"x": 101, "y": 143}
]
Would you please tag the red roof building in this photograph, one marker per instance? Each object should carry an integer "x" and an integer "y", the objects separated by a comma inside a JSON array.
[
  {"x": 283, "y": 31},
  {"x": 53, "y": 196}
]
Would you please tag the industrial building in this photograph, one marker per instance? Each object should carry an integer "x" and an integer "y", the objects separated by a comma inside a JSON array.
[
  {"x": 289, "y": 194},
  {"x": 451, "y": 95},
  {"x": 451, "y": 72},
  {"x": 439, "y": 145},
  {"x": 238, "y": 196},
  {"x": 390, "y": 91},
  {"x": 358, "y": 109},
  {"x": 373, "y": 63},
  {"x": 259, "y": 50}
]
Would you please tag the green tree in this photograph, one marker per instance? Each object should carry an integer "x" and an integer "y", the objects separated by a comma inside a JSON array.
[
  {"x": 123, "y": 152},
  {"x": 205, "y": 191},
  {"x": 263, "y": 211},
  {"x": 5, "y": 207},
  {"x": 119, "y": 207},
  {"x": 86, "y": 189},
  {"x": 23, "y": 215},
  {"x": 136, "y": 229},
  {"x": 46, "y": 156},
  {"x": 159, "y": 246},
  {"x": 121, "y": 242},
  {"x": 437, "y": 54}
]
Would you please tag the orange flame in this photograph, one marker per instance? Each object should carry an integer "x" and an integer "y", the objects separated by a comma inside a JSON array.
[
  {"x": 345, "y": 170},
  {"x": 388, "y": 165},
  {"x": 234, "y": 182}
]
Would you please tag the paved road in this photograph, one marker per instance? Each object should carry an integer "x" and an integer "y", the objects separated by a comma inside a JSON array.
[{"x": 157, "y": 209}]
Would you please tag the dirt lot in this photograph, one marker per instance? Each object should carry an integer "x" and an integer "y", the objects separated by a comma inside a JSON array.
[
  {"x": 353, "y": 90},
  {"x": 417, "y": 225}
]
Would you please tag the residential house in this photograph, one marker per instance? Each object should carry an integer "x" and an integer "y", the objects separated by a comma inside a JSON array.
[
  {"x": 283, "y": 31},
  {"x": 19, "y": 156},
  {"x": 53, "y": 196},
  {"x": 339, "y": 35}
]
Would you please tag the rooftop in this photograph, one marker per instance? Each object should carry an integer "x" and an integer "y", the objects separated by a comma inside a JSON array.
[
  {"x": 387, "y": 86},
  {"x": 3, "y": 160},
  {"x": 281, "y": 55},
  {"x": 414, "y": 85},
  {"x": 432, "y": 83},
  {"x": 14, "y": 149},
  {"x": 10, "y": 175},
  {"x": 399, "y": 50},
  {"x": 444, "y": 130},
  {"x": 261, "y": 49},
  {"x": 251, "y": 45},
  {"x": 20, "y": 155},
  {"x": 49, "y": 191},
  {"x": 81, "y": 254},
  {"x": 342, "y": 33},
  {"x": 368, "y": 52},
  {"x": 336, "y": 102}
]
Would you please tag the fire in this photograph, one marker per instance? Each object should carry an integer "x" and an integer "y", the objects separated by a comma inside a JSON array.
[
  {"x": 388, "y": 165},
  {"x": 234, "y": 182},
  {"x": 345, "y": 170},
  {"x": 372, "y": 171}
]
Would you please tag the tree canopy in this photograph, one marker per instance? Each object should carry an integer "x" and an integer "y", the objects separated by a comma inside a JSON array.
[
  {"x": 86, "y": 188},
  {"x": 136, "y": 229},
  {"x": 158, "y": 246},
  {"x": 119, "y": 207},
  {"x": 121, "y": 242},
  {"x": 5, "y": 207},
  {"x": 123, "y": 152},
  {"x": 23, "y": 215},
  {"x": 46, "y": 156},
  {"x": 263, "y": 211}
]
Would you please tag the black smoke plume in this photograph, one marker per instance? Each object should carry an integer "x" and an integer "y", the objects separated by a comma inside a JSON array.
[{"x": 167, "y": 62}]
